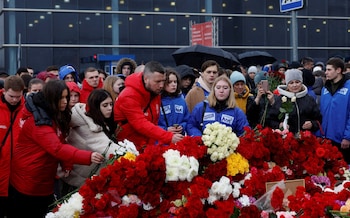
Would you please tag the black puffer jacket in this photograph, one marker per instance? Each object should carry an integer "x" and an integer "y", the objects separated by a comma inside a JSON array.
[{"x": 36, "y": 104}]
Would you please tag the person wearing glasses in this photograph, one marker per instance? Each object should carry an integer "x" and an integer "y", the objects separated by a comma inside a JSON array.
[
  {"x": 201, "y": 88},
  {"x": 91, "y": 81}
]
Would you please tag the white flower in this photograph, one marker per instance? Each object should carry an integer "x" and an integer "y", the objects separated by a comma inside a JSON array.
[
  {"x": 244, "y": 200},
  {"x": 126, "y": 146},
  {"x": 70, "y": 208},
  {"x": 172, "y": 173},
  {"x": 220, "y": 140},
  {"x": 147, "y": 206},
  {"x": 284, "y": 99},
  {"x": 236, "y": 189},
  {"x": 286, "y": 214},
  {"x": 180, "y": 167},
  {"x": 172, "y": 158},
  {"x": 98, "y": 196},
  {"x": 220, "y": 190},
  {"x": 130, "y": 199},
  {"x": 293, "y": 99}
]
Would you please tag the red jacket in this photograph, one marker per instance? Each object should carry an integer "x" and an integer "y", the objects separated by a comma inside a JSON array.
[
  {"x": 36, "y": 156},
  {"x": 138, "y": 113},
  {"x": 7, "y": 148},
  {"x": 86, "y": 89}
]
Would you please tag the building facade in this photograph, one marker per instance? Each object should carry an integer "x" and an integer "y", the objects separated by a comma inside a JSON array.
[{"x": 41, "y": 33}]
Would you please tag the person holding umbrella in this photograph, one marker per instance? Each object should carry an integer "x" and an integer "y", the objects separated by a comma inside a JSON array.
[{"x": 201, "y": 89}]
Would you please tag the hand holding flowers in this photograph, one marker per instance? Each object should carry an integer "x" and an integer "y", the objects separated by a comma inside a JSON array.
[{"x": 285, "y": 109}]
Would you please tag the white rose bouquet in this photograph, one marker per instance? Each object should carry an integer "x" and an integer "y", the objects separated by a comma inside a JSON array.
[{"x": 220, "y": 140}]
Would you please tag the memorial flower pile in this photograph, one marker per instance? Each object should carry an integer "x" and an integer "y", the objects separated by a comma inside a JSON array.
[{"x": 184, "y": 180}]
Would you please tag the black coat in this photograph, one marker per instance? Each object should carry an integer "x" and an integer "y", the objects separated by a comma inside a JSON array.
[{"x": 308, "y": 111}]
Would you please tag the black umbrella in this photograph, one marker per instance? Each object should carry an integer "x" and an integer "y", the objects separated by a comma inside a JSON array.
[
  {"x": 196, "y": 55},
  {"x": 261, "y": 58}
]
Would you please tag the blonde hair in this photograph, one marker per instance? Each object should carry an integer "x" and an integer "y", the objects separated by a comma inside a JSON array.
[
  {"x": 230, "y": 101},
  {"x": 108, "y": 85}
]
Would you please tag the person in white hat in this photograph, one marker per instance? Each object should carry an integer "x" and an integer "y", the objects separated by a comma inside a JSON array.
[{"x": 251, "y": 72}]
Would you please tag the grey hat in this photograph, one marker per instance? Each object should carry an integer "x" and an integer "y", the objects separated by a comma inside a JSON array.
[{"x": 293, "y": 74}]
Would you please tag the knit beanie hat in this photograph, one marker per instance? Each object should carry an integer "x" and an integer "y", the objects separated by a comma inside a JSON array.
[
  {"x": 65, "y": 70},
  {"x": 237, "y": 76},
  {"x": 252, "y": 69},
  {"x": 262, "y": 75},
  {"x": 293, "y": 74}
]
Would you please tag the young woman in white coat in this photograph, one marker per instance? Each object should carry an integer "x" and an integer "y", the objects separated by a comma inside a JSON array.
[{"x": 92, "y": 128}]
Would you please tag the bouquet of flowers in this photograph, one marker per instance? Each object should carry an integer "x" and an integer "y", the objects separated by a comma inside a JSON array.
[
  {"x": 286, "y": 108},
  {"x": 183, "y": 180}
]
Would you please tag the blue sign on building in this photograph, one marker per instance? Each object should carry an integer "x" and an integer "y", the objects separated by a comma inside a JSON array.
[{"x": 290, "y": 5}]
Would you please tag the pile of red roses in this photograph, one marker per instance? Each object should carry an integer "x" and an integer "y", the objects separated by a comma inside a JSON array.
[{"x": 138, "y": 188}]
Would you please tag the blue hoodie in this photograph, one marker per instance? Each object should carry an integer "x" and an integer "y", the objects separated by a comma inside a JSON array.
[
  {"x": 232, "y": 117},
  {"x": 176, "y": 112}
]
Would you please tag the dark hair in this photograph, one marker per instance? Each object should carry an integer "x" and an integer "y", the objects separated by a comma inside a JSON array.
[
  {"x": 100, "y": 71},
  {"x": 89, "y": 69},
  {"x": 336, "y": 63},
  {"x": 94, "y": 111},
  {"x": 52, "y": 92},
  {"x": 209, "y": 63},
  {"x": 305, "y": 60},
  {"x": 51, "y": 68},
  {"x": 153, "y": 66},
  {"x": 14, "y": 82},
  {"x": 21, "y": 70},
  {"x": 170, "y": 71}
]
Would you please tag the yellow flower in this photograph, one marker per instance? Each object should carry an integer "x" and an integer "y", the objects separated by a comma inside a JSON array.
[
  {"x": 236, "y": 163},
  {"x": 128, "y": 156}
]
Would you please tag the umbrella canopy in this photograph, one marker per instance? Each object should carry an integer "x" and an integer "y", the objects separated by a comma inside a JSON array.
[
  {"x": 261, "y": 58},
  {"x": 196, "y": 55}
]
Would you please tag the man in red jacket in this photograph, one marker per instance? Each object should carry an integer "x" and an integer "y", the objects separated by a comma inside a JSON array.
[
  {"x": 137, "y": 108},
  {"x": 11, "y": 104},
  {"x": 91, "y": 81}
]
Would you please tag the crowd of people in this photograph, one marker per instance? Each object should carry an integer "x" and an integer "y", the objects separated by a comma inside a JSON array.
[{"x": 59, "y": 125}]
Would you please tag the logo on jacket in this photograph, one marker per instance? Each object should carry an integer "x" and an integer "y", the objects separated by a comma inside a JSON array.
[
  {"x": 343, "y": 91},
  {"x": 21, "y": 123},
  {"x": 209, "y": 116},
  {"x": 227, "y": 119},
  {"x": 3, "y": 127},
  {"x": 167, "y": 109},
  {"x": 179, "y": 109}
]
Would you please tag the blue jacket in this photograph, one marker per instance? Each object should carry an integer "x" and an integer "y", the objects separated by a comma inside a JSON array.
[
  {"x": 233, "y": 117},
  {"x": 335, "y": 110},
  {"x": 176, "y": 112}
]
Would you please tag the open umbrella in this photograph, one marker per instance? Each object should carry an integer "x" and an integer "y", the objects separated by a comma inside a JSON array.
[
  {"x": 261, "y": 58},
  {"x": 196, "y": 55}
]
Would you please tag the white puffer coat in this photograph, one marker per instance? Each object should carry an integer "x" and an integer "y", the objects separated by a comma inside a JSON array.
[{"x": 86, "y": 135}]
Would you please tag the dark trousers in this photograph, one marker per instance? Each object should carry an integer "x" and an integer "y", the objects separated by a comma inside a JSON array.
[
  {"x": 22, "y": 205},
  {"x": 4, "y": 205}
]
